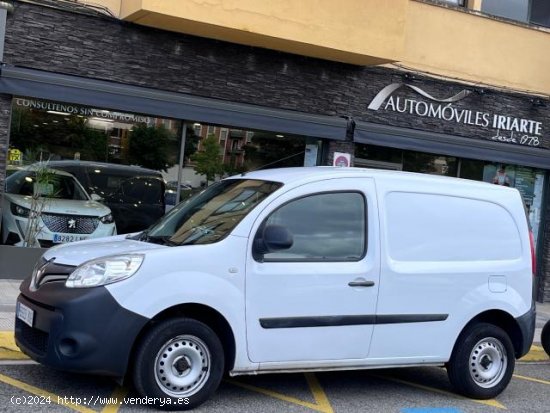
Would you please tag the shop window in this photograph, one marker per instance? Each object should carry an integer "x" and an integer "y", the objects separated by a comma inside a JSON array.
[
  {"x": 527, "y": 11},
  {"x": 101, "y": 149},
  {"x": 528, "y": 181},
  {"x": 122, "y": 160},
  {"x": 429, "y": 164},
  {"x": 378, "y": 157},
  {"x": 540, "y": 12},
  {"x": 460, "y": 3}
]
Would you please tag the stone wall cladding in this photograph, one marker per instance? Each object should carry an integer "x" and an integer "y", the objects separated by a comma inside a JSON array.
[{"x": 5, "y": 117}]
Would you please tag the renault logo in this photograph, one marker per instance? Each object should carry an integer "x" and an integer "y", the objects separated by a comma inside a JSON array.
[
  {"x": 71, "y": 223},
  {"x": 38, "y": 273}
]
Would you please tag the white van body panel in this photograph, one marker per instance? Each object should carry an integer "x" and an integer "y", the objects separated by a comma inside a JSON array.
[
  {"x": 199, "y": 274},
  {"x": 457, "y": 286}
]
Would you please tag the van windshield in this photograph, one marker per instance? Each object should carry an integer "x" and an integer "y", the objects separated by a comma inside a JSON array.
[{"x": 210, "y": 215}]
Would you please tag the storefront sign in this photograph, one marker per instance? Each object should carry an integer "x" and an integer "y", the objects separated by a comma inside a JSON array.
[
  {"x": 69, "y": 109},
  {"x": 505, "y": 128}
]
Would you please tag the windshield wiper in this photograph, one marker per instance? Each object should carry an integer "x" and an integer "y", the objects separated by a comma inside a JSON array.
[
  {"x": 160, "y": 239},
  {"x": 154, "y": 239}
]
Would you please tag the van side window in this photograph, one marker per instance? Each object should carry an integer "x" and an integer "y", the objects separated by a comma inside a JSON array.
[{"x": 324, "y": 227}]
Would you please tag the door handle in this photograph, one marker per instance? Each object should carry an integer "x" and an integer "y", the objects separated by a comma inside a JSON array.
[{"x": 361, "y": 283}]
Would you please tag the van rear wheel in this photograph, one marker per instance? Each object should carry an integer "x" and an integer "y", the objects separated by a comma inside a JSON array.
[
  {"x": 482, "y": 362},
  {"x": 180, "y": 362}
]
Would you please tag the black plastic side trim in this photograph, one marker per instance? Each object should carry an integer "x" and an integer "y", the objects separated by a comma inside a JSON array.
[
  {"x": 526, "y": 324},
  {"x": 348, "y": 320}
]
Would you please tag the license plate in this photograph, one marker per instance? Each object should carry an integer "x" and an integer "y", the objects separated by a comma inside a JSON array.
[
  {"x": 25, "y": 314},
  {"x": 59, "y": 239}
]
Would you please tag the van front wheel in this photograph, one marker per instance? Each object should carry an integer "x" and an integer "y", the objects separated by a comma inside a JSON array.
[
  {"x": 482, "y": 362},
  {"x": 179, "y": 363}
]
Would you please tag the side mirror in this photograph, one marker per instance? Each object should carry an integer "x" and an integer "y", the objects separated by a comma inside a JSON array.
[
  {"x": 96, "y": 197},
  {"x": 273, "y": 238}
]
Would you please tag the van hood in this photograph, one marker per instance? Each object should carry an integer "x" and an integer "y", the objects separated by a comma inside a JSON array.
[{"x": 76, "y": 253}]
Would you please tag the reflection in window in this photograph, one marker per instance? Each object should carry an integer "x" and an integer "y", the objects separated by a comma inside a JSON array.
[
  {"x": 212, "y": 214},
  {"x": 324, "y": 227},
  {"x": 53, "y": 184},
  {"x": 429, "y": 164}
]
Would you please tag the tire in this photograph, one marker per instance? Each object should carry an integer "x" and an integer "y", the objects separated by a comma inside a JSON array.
[
  {"x": 180, "y": 362},
  {"x": 482, "y": 362},
  {"x": 545, "y": 338}
]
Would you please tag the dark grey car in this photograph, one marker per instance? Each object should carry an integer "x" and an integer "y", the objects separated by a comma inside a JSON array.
[{"x": 134, "y": 194}]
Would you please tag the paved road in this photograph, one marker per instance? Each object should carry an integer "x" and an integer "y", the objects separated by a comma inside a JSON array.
[{"x": 412, "y": 390}]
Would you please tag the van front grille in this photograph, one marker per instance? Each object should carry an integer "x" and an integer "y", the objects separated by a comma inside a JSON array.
[{"x": 36, "y": 340}]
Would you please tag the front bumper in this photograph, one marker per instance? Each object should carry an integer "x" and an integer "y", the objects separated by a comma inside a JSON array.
[
  {"x": 16, "y": 226},
  {"x": 79, "y": 330}
]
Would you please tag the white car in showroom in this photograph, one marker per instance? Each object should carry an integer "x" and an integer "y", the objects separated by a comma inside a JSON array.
[{"x": 65, "y": 212}]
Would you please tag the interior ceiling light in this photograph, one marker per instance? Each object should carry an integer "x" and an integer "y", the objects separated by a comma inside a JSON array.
[{"x": 54, "y": 112}]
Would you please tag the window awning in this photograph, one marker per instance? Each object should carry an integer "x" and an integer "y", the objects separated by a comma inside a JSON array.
[
  {"x": 451, "y": 145},
  {"x": 116, "y": 96}
]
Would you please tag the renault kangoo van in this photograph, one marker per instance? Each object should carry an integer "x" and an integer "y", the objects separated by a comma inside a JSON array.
[{"x": 292, "y": 270}]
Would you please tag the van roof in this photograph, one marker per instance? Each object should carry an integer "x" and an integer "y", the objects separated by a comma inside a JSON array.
[
  {"x": 134, "y": 168},
  {"x": 288, "y": 175}
]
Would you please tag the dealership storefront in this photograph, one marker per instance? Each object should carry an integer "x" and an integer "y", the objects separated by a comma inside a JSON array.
[{"x": 263, "y": 107}]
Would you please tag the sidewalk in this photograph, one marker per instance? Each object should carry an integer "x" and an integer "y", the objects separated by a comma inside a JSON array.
[{"x": 9, "y": 290}]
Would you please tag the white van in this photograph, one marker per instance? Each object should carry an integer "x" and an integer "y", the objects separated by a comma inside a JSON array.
[{"x": 298, "y": 269}]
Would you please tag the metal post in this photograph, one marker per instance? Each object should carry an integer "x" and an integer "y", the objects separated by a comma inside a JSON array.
[{"x": 180, "y": 164}]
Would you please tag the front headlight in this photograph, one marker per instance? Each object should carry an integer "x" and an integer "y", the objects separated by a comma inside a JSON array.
[
  {"x": 107, "y": 219},
  {"x": 20, "y": 211},
  {"x": 104, "y": 271}
]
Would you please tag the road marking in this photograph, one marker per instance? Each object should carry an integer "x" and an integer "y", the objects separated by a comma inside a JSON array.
[
  {"x": 431, "y": 410},
  {"x": 318, "y": 393},
  {"x": 118, "y": 394},
  {"x": 321, "y": 404},
  {"x": 17, "y": 362},
  {"x": 536, "y": 353},
  {"x": 43, "y": 393},
  {"x": 517, "y": 376},
  {"x": 491, "y": 402},
  {"x": 8, "y": 348}
]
